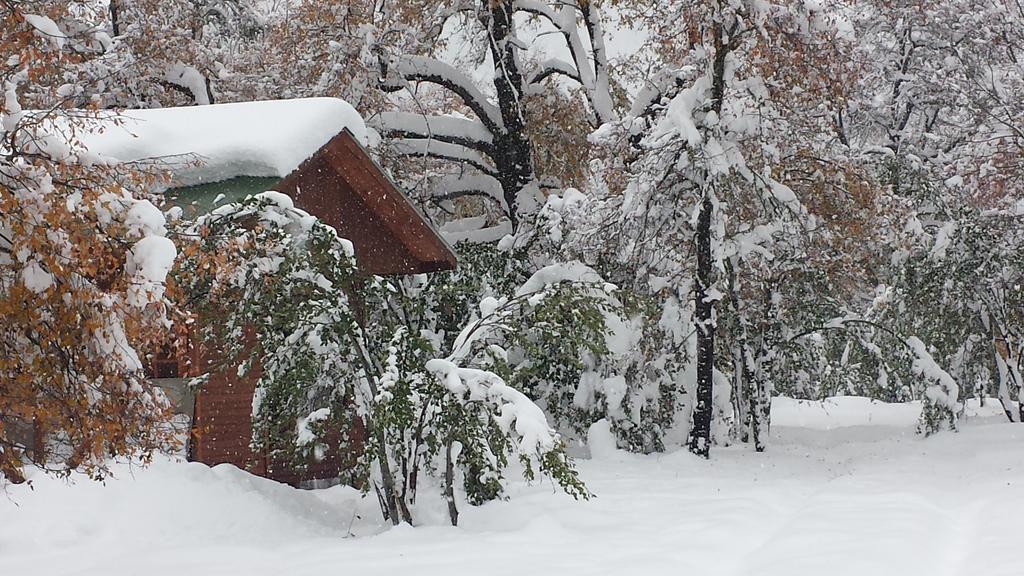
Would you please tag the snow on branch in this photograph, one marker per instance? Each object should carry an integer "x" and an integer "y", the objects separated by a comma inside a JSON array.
[
  {"x": 589, "y": 69},
  {"x": 444, "y": 151},
  {"x": 550, "y": 68},
  {"x": 515, "y": 411},
  {"x": 397, "y": 71},
  {"x": 941, "y": 395},
  {"x": 576, "y": 272},
  {"x": 494, "y": 313},
  {"x": 448, "y": 129},
  {"x": 942, "y": 388},
  {"x": 190, "y": 81},
  {"x": 47, "y": 28},
  {"x": 452, "y": 187}
]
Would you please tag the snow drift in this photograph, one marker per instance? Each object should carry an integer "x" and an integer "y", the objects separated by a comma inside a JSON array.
[{"x": 950, "y": 504}]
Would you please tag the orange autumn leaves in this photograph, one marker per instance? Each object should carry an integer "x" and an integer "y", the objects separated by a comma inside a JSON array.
[{"x": 73, "y": 392}]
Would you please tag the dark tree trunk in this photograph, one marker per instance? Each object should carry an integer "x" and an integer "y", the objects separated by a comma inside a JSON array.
[
  {"x": 740, "y": 394},
  {"x": 703, "y": 411},
  {"x": 761, "y": 402},
  {"x": 115, "y": 23},
  {"x": 1003, "y": 358},
  {"x": 512, "y": 151},
  {"x": 1013, "y": 371},
  {"x": 759, "y": 410},
  {"x": 391, "y": 503},
  {"x": 750, "y": 382},
  {"x": 1020, "y": 400},
  {"x": 449, "y": 485},
  {"x": 509, "y": 147}
]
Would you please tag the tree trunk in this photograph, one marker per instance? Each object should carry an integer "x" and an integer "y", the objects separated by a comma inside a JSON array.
[
  {"x": 115, "y": 23},
  {"x": 1005, "y": 379},
  {"x": 740, "y": 395},
  {"x": 1013, "y": 365},
  {"x": 449, "y": 485},
  {"x": 700, "y": 432},
  {"x": 703, "y": 412},
  {"x": 1020, "y": 406},
  {"x": 513, "y": 155},
  {"x": 386, "y": 492},
  {"x": 741, "y": 379},
  {"x": 761, "y": 412},
  {"x": 391, "y": 504},
  {"x": 753, "y": 397}
]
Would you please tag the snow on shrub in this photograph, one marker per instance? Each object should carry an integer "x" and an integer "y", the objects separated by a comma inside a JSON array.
[
  {"x": 335, "y": 347},
  {"x": 942, "y": 394}
]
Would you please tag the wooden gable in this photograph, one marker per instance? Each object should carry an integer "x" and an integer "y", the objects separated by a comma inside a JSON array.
[{"x": 343, "y": 187}]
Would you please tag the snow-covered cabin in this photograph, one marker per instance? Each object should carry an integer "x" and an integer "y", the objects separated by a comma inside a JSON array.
[{"x": 311, "y": 149}]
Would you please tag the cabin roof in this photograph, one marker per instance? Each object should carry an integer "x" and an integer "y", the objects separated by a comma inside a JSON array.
[
  {"x": 311, "y": 149},
  {"x": 205, "y": 144}
]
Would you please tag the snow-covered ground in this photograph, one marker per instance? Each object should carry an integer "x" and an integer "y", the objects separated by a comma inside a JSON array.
[{"x": 846, "y": 488}]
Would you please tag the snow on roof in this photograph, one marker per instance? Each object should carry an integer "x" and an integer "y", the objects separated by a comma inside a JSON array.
[{"x": 202, "y": 144}]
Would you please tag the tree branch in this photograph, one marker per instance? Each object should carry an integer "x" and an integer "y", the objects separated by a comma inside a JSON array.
[
  {"x": 398, "y": 70},
  {"x": 443, "y": 151},
  {"x": 550, "y": 68},
  {"x": 448, "y": 129}
]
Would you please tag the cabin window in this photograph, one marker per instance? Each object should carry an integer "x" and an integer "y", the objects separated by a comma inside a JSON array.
[
  {"x": 164, "y": 365},
  {"x": 164, "y": 371}
]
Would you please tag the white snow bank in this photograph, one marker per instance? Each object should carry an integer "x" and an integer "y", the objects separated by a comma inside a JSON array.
[
  {"x": 851, "y": 411},
  {"x": 171, "y": 504},
  {"x": 842, "y": 412},
  {"x": 906, "y": 505},
  {"x": 212, "y": 143}
]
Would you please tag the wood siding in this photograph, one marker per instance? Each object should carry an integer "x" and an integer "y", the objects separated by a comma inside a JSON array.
[{"x": 342, "y": 186}]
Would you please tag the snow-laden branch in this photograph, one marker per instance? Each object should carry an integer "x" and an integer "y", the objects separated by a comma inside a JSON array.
[
  {"x": 495, "y": 313},
  {"x": 656, "y": 86},
  {"x": 942, "y": 388},
  {"x": 474, "y": 230},
  {"x": 602, "y": 97},
  {"x": 397, "y": 71},
  {"x": 190, "y": 81},
  {"x": 550, "y": 68},
  {"x": 575, "y": 272},
  {"x": 448, "y": 129},
  {"x": 444, "y": 151},
  {"x": 515, "y": 411},
  {"x": 451, "y": 187},
  {"x": 591, "y": 68}
]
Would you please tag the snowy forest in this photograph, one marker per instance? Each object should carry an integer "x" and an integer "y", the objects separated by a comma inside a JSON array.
[{"x": 713, "y": 258}]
